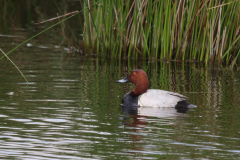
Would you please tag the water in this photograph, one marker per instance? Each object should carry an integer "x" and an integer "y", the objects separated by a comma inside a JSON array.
[{"x": 71, "y": 106}]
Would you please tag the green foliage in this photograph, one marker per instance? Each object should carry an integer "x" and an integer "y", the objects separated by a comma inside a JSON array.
[{"x": 165, "y": 29}]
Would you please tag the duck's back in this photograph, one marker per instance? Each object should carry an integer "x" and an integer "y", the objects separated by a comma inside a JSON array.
[{"x": 160, "y": 98}]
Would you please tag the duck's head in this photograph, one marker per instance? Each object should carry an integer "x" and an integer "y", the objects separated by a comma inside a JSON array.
[{"x": 139, "y": 79}]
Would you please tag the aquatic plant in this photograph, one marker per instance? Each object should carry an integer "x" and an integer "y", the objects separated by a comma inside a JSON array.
[{"x": 197, "y": 30}]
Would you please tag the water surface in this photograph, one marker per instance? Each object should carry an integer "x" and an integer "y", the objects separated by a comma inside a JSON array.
[{"x": 71, "y": 107}]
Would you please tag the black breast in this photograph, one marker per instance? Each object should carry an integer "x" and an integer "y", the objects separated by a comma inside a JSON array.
[{"x": 130, "y": 104}]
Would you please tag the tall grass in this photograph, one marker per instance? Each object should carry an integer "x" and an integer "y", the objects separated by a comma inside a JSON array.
[{"x": 164, "y": 29}]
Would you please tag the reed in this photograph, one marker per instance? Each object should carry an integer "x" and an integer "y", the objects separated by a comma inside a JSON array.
[
  {"x": 14, "y": 65},
  {"x": 196, "y": 30}
]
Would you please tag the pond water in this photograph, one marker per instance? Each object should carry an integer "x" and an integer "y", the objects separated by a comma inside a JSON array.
[{"x": 71, "y": 107}]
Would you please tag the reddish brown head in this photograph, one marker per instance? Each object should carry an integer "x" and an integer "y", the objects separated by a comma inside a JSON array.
[{"x": 140, "y": 80}]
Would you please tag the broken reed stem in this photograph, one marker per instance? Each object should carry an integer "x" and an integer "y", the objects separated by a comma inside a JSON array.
[{"x": 128, "y": 40}]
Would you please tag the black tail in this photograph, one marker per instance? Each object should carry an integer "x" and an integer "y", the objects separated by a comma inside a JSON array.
[{"x": 183, "y": 106}]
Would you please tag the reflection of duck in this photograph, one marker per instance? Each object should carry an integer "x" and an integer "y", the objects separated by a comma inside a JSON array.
[
  {"x": 141, "y": 96},
  {"x": 162, "y": 112}
]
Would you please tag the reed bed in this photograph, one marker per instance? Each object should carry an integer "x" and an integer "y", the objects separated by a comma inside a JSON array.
[{"x": 193, "y": 30}]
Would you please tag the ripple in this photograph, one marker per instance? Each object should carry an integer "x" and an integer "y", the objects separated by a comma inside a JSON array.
[
  {"x": 21, "y": 120},
  {"x": 55, "y": 120},
  {"x": 48, "y": 100}
]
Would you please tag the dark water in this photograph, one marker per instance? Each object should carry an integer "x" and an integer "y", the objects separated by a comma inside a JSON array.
[{"x": 71, "y": 106}]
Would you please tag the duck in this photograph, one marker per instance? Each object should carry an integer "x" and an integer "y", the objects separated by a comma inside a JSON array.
[{"x": 141, "y": 96}]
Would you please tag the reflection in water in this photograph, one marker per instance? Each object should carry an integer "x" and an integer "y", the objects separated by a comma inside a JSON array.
[
  {"x": 136, "y": 118},
  {"x": 161, "y": 112}
]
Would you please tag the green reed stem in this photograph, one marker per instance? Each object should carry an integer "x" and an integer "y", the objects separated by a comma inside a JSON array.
[
  {"x": 15, "y": 66},
  {"x": 180, "y": 30}
]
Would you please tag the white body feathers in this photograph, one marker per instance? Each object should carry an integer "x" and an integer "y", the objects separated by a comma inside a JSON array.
[{"x": 159, "y": 98}]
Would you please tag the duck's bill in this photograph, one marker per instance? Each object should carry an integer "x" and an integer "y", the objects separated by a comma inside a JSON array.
[
  {"x": 123, "y": 80},
  {"x": 192, "y": 106}
]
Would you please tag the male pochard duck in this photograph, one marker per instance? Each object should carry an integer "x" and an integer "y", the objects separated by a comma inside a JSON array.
[{"x": 143, "y": 97}]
